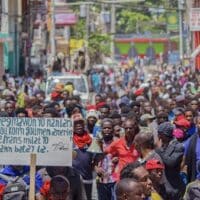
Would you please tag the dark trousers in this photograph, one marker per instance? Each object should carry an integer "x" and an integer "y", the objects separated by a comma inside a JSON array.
[
  {"x": 105, "y": 191},
  {"x": 88, "y": 191}
]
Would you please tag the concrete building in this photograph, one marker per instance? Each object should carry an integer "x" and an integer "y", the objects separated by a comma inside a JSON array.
[
  {"x": 11, "y": 17},
  {"x": 193, "y": 18}
]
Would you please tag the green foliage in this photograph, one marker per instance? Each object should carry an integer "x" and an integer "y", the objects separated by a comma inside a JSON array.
[
  {"x": 98, "y": 44},
  {"x": 138, "y": 22},
  {"x": 78, "y": 31}
]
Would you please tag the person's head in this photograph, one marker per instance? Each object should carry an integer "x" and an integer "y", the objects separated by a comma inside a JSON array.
[
  {"x": 21, "y": 112},
  {"x": 155, "y": 169},
  {"x": 138, "y": 172},
  {"x": 98, "y": 98},
  {"x": 171, "y": 104},
  {"x": 76, "y": 99},
  {"x": 117, "y": 131},
  {"x": 9, "y": 107},
  {"x": 67, "y": 102},
  {"x": 65, "y": 94},
  {"x": 50, "y": 113},
  {"x": 135, "y": 106},
  {"x": 116, "y": 118},
  {"x": 56, "y": 106},
  {"x": 194, "y": 105},
  {"x": 131, "y": 129},
  {"x": 109, "y": 101},
  {"x": 107, "y": 129},
  {"x": 37, "y": 111},
  {"x": 104, "y": 111},
  {"x": 161, "y": 117},
  {"x": 40, "y": 96},
  {"x": 165, "y": 132},
  {"x": 92, "y": 117},
  {"x": 75, "y": 109},
  {"x": 147, "y": 107},
  {"x": 59, "y": 188},
  {"x": 189, "y": 115},
  {"x": 144, "y": 141},
  {"x": 128, "y": 189},
  {"x": 160, "y": 109},
  {"x": 79, "y": 124}
]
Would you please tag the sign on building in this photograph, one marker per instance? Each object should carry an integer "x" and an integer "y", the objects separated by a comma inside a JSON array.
[
  {"x": 195, "y": 19},
  {"x": 49, "y": 138},
  {"x": 172, "y": 21}
]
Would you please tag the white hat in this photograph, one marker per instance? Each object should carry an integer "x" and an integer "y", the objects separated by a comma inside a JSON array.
[{"x": 92, "y": 113}]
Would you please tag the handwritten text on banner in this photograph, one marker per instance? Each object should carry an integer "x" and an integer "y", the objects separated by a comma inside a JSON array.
[{"x": 49, "y": 138}]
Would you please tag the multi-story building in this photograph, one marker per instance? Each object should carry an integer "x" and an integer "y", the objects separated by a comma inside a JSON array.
[{"x": 193, "y": 14}]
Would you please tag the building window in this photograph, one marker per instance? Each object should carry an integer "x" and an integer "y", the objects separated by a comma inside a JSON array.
[{"x": 196, "y": 4}]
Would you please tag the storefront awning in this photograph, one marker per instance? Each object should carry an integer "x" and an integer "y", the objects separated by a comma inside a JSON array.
[{"x": 65, "y": 19}]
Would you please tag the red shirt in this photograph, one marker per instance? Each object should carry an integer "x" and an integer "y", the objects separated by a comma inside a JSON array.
[{"x": 125, "y": 154}]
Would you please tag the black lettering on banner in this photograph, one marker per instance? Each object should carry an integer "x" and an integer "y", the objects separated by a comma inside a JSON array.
[
  {"x": 41, "y": 149},
  {"x": 41, "y": 122},
  {"x": 45, "y": 140}
]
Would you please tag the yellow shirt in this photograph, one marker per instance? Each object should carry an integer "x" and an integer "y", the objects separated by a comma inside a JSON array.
[{"x": 155, "y": 196}]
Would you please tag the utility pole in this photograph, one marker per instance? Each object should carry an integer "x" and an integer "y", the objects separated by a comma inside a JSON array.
[
  {"x": 87, "y": 59},
  {"x": 180, "y": 8},
  {"x": 113, "y": 30},
  {"x": 53, "y": 44}
]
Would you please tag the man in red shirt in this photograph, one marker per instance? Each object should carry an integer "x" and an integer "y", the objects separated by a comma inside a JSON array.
[{"x": 124, "y": 148}]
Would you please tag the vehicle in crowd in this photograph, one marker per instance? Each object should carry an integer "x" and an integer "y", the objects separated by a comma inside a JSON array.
[{"x": 79, "y": 82}]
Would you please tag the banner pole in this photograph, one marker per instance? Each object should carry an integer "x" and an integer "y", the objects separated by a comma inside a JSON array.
[{"x": 32, "y": 176}]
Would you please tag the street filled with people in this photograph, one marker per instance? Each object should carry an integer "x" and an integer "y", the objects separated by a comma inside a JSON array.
[{"x": 136, "y": 138}]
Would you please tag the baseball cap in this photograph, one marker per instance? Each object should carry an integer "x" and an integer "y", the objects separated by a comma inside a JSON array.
[
  {"x": 182, "y": 122},
  {"x": 92, "y": 113},
  {"x": 147, "y": 117},
  {"x": 154, "y": 164},
  {"x": 77, "y": 118}
]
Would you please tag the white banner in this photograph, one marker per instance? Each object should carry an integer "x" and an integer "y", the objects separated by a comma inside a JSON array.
[
  {"x": 49, "y": 138},
  {"x": 195, "y": 19}
]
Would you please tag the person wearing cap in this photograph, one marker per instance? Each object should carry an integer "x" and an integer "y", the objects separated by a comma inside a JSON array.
[
  {"x": 171, "y": 152},
  {"x": 180, "y": 131},
  {"x": 83, "y": 159},
  {"x": 156, "y": 171},
  {"x": 91, "y": 119},
  {"x": 146, "y": 121}
]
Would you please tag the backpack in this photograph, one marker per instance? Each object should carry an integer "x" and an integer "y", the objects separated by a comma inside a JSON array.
[{"x": 16, "y": 188}]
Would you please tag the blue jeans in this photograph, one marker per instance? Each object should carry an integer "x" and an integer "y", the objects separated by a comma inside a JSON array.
[{"x": 105, "y": 191}]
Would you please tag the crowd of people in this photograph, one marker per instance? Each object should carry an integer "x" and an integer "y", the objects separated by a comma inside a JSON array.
[{"x": 139, "y": 139}]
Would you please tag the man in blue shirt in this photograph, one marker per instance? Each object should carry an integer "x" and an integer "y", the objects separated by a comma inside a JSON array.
[{"x": 192, "y": 152}]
